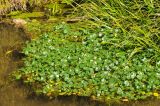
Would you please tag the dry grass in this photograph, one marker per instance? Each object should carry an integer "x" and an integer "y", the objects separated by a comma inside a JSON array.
[{"x": 10, "y": 5}]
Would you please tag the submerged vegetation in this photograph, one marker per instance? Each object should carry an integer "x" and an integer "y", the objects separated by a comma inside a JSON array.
[{"x": 111, "y": 53}]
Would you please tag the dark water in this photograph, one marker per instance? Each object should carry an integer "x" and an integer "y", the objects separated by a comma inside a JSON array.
[{"x": 16, "y": 94}]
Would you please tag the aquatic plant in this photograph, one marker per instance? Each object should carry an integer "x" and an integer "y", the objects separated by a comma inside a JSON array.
[
  {"x": 56, "y": 64},
  {"x": 115, "y": 56}
]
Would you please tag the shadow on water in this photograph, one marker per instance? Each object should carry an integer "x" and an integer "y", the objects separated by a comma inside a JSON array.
[{"x": 16, "y": 94}]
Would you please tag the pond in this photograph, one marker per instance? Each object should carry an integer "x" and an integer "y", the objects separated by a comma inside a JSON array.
[{"x": 16, "y": 94}]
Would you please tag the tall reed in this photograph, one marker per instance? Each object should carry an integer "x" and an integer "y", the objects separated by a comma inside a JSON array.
[{"x": 137, "y": 20}]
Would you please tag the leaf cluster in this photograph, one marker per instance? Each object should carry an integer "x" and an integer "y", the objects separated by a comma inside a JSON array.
[{"x": 93, "y": 66}]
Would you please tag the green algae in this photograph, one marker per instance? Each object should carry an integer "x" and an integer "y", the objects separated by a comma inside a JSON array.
[{"x": 29, "y": 15}]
